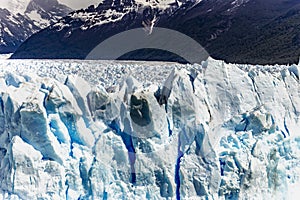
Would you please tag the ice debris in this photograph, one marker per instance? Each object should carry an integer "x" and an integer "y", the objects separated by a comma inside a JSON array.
[{"x": 219, "y": 132}]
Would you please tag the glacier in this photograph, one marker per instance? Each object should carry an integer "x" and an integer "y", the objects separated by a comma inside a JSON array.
[{"x": 147, "y": 130}]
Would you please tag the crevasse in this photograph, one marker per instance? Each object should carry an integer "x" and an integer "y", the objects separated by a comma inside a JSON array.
[{"x": 230, "y": 132}]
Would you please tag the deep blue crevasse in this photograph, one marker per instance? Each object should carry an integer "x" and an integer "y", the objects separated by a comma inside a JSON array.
[
  {"x": 127, "y": 140},
  {"x": 177, "y": 170}
]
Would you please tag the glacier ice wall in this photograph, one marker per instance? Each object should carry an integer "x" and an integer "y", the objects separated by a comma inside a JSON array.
[{"x": 217, "y": 131}]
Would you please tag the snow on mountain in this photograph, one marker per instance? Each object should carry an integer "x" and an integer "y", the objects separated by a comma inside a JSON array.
[
  {"x": 226, "y": 29},
  {"x": 125, "y": 14},
  {"x": 13, "y": 30},
  {"x": 20, "y": 19},
  {"x": 210, "y": 131},
  {"x": 43, "y": 13},
  {"x": 76, "y": 5},
  {"x": 163, "y": 4},
  {"x": 20, "y": 6},
  {"x": 110, "y": 11},
  {"x": 15, "y": 6}
]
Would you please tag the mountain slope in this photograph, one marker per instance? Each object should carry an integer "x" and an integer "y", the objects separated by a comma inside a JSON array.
[
  {"x": 15, "y": 6},
  {"x": 254, "y": 31},
  {"x": 49, "y": 11},
  {"x": 13, "y": 30},
  {"x": 19, "y": 20},
  {"x": 264, "y": 32},
  {"x": 82, "y": 30}
]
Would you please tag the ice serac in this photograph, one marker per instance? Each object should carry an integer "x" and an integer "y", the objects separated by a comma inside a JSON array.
[{"x": 211, "y": 131}]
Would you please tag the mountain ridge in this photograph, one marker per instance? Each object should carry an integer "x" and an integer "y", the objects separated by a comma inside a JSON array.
[
  {"x": 234, "y": 31},
  {"x": 22, "y": 21}
]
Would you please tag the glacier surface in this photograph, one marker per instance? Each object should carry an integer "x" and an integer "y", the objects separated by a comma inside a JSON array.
[{"x": 134, "y": 130}]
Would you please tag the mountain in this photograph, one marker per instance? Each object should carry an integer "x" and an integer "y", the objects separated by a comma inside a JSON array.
[
  {"x": 216, "y": 131},
  {"x": 240, "y": 31},
  {"x": 15, "y": 6},
  {"x": 20, "y": 19},
  {"x": 82, "y": 30}
]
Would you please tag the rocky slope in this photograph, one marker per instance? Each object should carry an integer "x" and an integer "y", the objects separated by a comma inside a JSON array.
[
  {"x": 82, "y": 30},
  {"x": 215, "y": 131},
  {"x": 255, "y": 31},
  {"x": 19, "y": 20}
]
